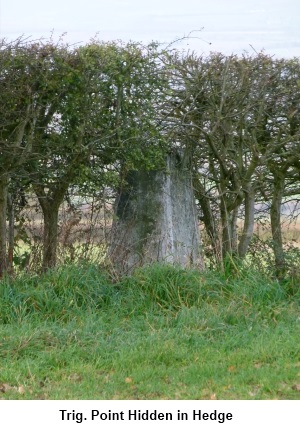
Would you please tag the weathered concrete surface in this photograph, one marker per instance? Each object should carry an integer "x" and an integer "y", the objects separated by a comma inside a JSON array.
[{"x": 156, "y": 220}]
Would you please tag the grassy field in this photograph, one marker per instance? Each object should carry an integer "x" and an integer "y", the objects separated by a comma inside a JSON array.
[{"x": 164, "y": 333}]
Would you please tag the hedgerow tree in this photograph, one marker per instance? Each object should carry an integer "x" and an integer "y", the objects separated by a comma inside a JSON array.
[
  {"x": 22, "y": 99},
  {"x": 226, "y": 112},
  {"x": 212, "y": 104},
  {"x": 281, "y": 146},
  {"x": 44, "y": 78}
]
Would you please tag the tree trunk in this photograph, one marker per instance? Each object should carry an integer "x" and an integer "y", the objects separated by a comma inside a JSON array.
[
  {"x": 50, "y": 213},
  {"x": 3, "y": 209},
  {"x": 11, "y": 233},
  {"x": 248, "y": 228},
  {"x": 233, "y": 230},
  {"x": 208, "y": 219},
  {"x": 50, "y": 203},
  {"x": 275, "y": 212},
  {"x": 156, "y": 219},
  {"x": 225, "y": 224}
]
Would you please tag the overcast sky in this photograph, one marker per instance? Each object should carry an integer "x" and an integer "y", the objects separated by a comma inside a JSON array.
[{"x": 229, "y": 26}]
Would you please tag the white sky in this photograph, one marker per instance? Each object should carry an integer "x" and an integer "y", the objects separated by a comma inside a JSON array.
[{"x": 231, "y": 26}]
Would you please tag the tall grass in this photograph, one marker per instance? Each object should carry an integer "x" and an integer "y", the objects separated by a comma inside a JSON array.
[
  {"x": 163, "y": 332},
  {"x": 57, "y": 295}
]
